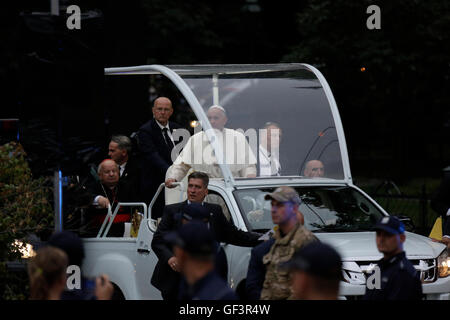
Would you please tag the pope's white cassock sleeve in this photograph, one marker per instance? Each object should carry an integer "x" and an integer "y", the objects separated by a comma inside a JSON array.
[{"x": 198, "y": 155}]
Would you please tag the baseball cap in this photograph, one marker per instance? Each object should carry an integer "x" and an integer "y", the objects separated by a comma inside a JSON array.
[
  {"x": 71, "y": 244},
  {"x": 194, "y": 237},
  {"x": 284, "y": 194},
  {"x": 390, "y": 224},
  {"x": 318, "y": 259},
  {"x": 195, "y": 211}
]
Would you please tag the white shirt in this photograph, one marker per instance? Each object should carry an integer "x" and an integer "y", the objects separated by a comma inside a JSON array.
[
  {"x": 269, "y": 165},
  {"x": 168, "y": 130},
  {"x": 198, "y": 155},
  {"x": 122, "y": 168}
]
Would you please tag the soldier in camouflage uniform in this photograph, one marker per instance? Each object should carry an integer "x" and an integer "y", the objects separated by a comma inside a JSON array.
[{"x": 289, "y": 237}]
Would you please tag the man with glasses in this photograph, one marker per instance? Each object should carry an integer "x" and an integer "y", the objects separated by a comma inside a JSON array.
[
  {"x": 156, "y": 144},
  {"x": 290, "y": 235}
]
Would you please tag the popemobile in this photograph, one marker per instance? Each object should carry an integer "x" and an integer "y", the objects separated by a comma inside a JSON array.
[{"x": 307, "y": 151}]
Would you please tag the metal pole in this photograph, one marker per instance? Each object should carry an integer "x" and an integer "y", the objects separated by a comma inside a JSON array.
[
  {"x": 215, "y": 81},
  {"x": 54, "y": 7},
  {"x": 57, "y": 193}
]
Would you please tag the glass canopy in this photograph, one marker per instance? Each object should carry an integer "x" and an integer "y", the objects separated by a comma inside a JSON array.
[
  {"x": 283, "y": 106},
  {"x": 286, "y": 113}
]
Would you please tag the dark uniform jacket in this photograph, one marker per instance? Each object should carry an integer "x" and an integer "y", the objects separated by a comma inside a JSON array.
[
  {"x": 131, "y": 176},
  {"x": 257, "y": 270},
  {"x": 167, "y": 280},
  {"x": 210, "y": 287},
  {"x": 399, "y": 280},
  {"x": 156, "y": 160}
]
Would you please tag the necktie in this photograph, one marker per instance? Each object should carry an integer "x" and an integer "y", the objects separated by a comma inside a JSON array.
[{"x": 169, "y": 142}]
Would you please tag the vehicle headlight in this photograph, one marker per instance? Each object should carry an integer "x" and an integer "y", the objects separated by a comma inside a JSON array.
[{"x": 443, "y": 262}]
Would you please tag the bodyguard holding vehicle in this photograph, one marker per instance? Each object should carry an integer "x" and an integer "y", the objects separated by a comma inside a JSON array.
[{"x": 166, "y": 274}]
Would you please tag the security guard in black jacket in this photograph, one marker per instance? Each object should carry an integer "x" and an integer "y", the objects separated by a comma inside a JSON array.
[
  {"x": 195, "y": 248},
  {"x": 399, "y": 280},
  {"x": 166, "y": 275}
]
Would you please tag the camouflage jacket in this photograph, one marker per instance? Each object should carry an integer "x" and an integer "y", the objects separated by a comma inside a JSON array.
[{"x": 277, "y": 283}]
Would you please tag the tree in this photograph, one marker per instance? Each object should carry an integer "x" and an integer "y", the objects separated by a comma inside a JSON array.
[
  {"x": 392, "y": 107},
  {"x": 24, "y": 209}
]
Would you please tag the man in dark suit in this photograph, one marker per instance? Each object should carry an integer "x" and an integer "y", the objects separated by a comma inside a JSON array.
[
  {"x": 441, "y": 204},
  {"x": 119, "y": 150},
  {"x": 166, "y": 275},
  {"x": 109, "y": 191},
  {"x": 156, "y": 144}
]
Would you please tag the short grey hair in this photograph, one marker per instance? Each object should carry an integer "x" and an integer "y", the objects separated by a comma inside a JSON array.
[{"x": 123, "y": 142}]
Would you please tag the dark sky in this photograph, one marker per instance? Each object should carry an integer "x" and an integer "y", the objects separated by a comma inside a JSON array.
[{"x": 55, "y": 77}]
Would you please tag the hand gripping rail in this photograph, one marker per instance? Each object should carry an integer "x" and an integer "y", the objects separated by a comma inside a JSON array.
[
  {"x": 111, "y": 216},
  {"x": 152, "y": 223}
]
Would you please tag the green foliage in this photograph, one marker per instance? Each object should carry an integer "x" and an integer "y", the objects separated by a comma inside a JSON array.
[
  {"x": 177, "y": 29},
  {"x": 394, "y": 111},
  {"x": 24, "y": 209}
]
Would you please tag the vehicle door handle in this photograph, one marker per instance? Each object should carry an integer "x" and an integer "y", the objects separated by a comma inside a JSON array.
[{"x": 142, "y": 250}]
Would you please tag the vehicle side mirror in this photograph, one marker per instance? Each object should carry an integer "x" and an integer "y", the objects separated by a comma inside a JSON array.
[{"x": 407, "y": 221}]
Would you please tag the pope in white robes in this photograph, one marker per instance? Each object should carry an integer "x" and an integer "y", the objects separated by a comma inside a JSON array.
[{"x": 198, "y": 153}]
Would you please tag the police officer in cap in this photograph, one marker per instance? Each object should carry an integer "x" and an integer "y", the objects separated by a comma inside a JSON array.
[
  {"x": 316, "y": 271},
  {"x": 399, "y": 279},
  {"x": 195, "y": 250}
]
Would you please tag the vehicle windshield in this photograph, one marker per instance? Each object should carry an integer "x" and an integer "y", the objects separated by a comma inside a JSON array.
[
  {"x": 326, "y": 209},
  {"x": 283, "y": 111}
]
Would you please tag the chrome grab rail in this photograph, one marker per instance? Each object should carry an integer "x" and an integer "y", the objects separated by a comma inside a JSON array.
[{"x": 153, "y": 223}]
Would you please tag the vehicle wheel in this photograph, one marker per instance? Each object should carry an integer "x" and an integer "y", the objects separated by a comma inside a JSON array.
[{"x": 117, "y": 294}]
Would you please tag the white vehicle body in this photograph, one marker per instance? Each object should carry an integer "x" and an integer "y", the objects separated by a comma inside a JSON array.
[{"x": 129, "y": 262}]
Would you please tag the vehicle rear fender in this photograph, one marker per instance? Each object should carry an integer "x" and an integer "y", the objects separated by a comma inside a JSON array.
[{"x": 120, "y": 271}]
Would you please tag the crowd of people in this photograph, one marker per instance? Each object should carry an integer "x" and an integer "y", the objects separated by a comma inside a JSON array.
[
  {"x": 292, "y": 264},
  {"x": 47, "y": 272},
  {"x": 289, "y": 264}
]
